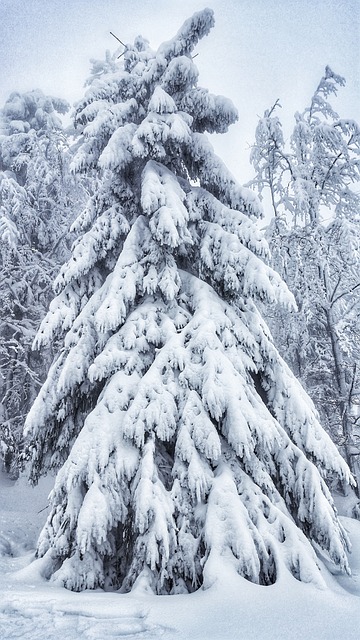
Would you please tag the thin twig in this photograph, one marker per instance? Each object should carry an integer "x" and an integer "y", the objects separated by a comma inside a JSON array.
[{"x": 118, "y": 39}]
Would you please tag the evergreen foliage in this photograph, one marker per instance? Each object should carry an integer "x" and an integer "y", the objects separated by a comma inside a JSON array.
[{"x": 186, "y": 447}]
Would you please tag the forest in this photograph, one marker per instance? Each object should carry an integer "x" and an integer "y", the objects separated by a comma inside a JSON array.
[{"x": 179, "y": 352}]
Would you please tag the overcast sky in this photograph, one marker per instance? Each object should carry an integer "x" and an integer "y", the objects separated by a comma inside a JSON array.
[{"x": 259, "y": 50}]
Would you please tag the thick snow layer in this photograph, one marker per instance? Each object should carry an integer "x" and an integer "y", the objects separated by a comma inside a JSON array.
[{"x": 32, "y": 608}]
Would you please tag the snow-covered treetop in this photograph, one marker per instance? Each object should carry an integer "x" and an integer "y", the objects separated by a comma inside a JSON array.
[
  {"x": 122, "y": 113},
  {"x": 321, "y": 165},
  {"x": 327, "y": 86},
  {"x": 31, "y": 110},
  {"x": 31, "y": 168},
  {"x": 188, "y": 36}
]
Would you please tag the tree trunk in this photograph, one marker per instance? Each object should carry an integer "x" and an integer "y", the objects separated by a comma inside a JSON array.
[{"x": 344, "y": 401}]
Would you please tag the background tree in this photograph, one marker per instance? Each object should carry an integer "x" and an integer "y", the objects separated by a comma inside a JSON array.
[
  {"x": 314, "y": 238},
  {"x": 188, "y": 449},
  {"x": 35, "y": 192}
]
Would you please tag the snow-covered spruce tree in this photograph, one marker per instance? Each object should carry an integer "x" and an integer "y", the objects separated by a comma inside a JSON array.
[
  {"x": 315, "y": 243},
  {"x": 34, "y": 195},
  {"x": 188, "y": 449}
]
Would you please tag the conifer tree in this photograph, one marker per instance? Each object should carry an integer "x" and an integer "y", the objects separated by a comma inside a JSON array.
[
  {"x": 34, "y": 194},
  {"x": 314, "y": 240},
  {"x": 187, "y": 449}
]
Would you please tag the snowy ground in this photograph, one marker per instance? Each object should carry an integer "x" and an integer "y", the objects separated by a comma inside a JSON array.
[{"x": 33, "y": 609}]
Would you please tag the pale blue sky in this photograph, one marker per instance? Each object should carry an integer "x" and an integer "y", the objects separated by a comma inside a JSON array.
[{"x": 259, "y": 50}]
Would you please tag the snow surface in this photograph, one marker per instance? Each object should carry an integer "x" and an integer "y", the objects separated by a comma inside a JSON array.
[{"x": 31, "y": 608}]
